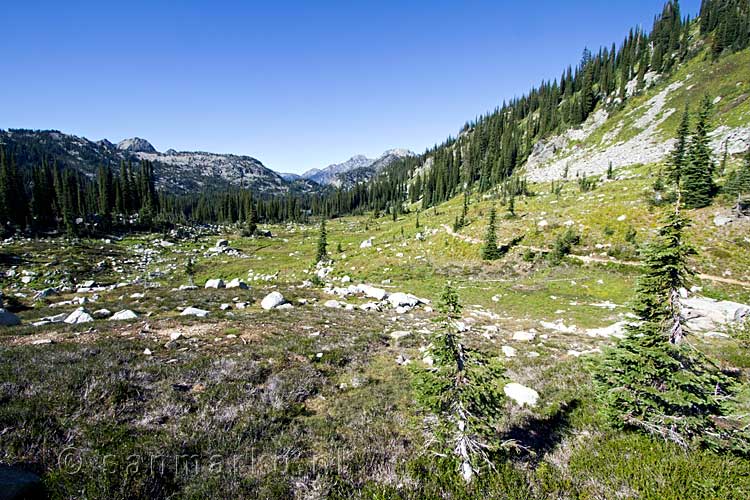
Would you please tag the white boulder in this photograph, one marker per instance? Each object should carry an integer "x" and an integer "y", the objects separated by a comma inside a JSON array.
[
  {"x": 524, "y": 396},
  {"x": 79, "y": 316},
  {"x": 524, "y": 336},
  {"x": 400, "y": 299},
  {"x": 194, "y": 311},
  {"x": 215, "y": 283},
  {"x": 237, "y": 283},
  {"x": 125, "y": 314},
  {"x": 272, "y": 300}
]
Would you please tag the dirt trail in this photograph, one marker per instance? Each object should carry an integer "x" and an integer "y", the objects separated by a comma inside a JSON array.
[{"x": 589, "y": 259}]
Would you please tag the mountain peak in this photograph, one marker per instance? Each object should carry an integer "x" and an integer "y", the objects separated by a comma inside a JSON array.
[{"x": 136, "y": 145}]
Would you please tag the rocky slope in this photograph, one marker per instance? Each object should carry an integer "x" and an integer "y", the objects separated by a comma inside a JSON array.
[{"x": 642, "y": 131}]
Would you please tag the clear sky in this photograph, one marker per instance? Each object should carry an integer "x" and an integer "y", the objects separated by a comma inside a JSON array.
[{"x": 295, "y": 84}]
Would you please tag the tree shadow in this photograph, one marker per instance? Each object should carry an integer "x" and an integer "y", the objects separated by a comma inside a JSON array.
[{"x": 535, "y": 437}]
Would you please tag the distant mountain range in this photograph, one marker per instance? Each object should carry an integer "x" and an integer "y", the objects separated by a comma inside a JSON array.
[
  {"x": 358, "y": 168},
  {"x": 183, "y": 171}
]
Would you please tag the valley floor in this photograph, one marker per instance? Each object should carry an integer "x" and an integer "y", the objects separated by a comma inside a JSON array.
[{"x": 315, "y": 401}]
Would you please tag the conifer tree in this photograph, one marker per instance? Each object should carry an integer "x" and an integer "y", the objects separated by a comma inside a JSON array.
[
  {"x": 738, "y": 182},
  {"x": 322, "y": 254},
  {"x": 698, "y": 188},
  {"x": 653, "y": 380},
  {"x": 678, "y": 158},
  {"x": 463, "y": 389},
  {"x": 489, "y": 249}
]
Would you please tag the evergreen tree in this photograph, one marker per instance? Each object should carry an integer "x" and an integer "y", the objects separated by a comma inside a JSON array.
[
  {"x": 463, "y": 389},
  {"x": 738, "y": 182},
  {"x": 489, "y": 249},
  {"x": 698, "y": 188},
  {"x": 653, "y": 380},
  {"x": 679, "y": 156},
  {"x": 322, "y": 254}
]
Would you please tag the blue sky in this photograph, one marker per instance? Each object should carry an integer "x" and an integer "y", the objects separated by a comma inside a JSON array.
[{"x": 295, "y": 84}]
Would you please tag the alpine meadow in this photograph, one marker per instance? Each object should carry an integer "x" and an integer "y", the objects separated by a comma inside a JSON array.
[{"x": 551, "y": 303}]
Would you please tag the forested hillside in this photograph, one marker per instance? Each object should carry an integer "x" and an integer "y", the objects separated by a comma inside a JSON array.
[{"x": 489, "y": 153}]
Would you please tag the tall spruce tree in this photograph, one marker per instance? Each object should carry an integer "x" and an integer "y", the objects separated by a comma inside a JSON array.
[
  {"x": 463, "y": 389},
  {"x": 738, "y": 182},
  {"x": 698, "y": 188},
  {"x": 679, "y": 156},
  {"x": 489, "y": 249},
  {"x": 322, "y": 253},
  {"x": 653, "y": 380}
]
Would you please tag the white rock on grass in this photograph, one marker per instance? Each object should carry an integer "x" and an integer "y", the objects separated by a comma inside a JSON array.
[
  {"x": 366, "y": 244},
  {"x": 524, "y": 336},
  {"x": 237, "y": 283},
  {"x": 617, "y": 330},
  {"x": 372, "y": 292},
  {"x": 102, "y": 313},
  {"x": 370, "y": 306},
  {"x": 215, "y": 283},
  {"x": 79, "y": 316},
  {"x": 7, "y": 318},
  {"x": 400, "y": 299},
  {"x": 194, "y": 311},
  {"x": 272, "y": 300},
  {"x": 334, "y": 304},
  {"x": 722, "y": 220},
  {"x": 524, "y": 396},
  {"x": 509, "y": 351},
  {"x": 704, "y": 314},
  {"x": 225, "y": 306},
  {"x": 124, "y": 315},
  {"x": 559, "y": 326}
]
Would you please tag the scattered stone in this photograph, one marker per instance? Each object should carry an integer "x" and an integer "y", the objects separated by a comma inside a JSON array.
[
  {"x": 524, "y": 336},
  {"x": 366, "y": 244},
  {"x": 188, "y": 287},
  {"x": 225, "y": 306},
  {"x": 175, "y": 336},
  {"x": 703, "y": 314},
  {"x": 222, "y": 243},
  {"x": 509, "y": 351},
  {"x": 42, "y": 342},
  {"x": 521, "y": 394},
  {"x": 372, "y": 292},
  {"x": 194, "y": 311},
  {"x": 124, "y": 315},
  {"x": 617, "y": 330},
  {"x": 559, "y": 326},
  {"x": 47, "y": 292},
  {"x": 285, "y": 305},
  {"x": 402, "y": 360},
  {"x": 215, "y": 283},
  {"x": 147, "y": 351},
  {"x": 102, "y": 313},
  {"x": 272, "y": 300},
  {"x": 370, "y": 306},
  {"x": 78, "y": 316},
  {"x": 237, "y": 283},
  {"x": 334, "y": 304},
  {"x": 400, "y": 299}
]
